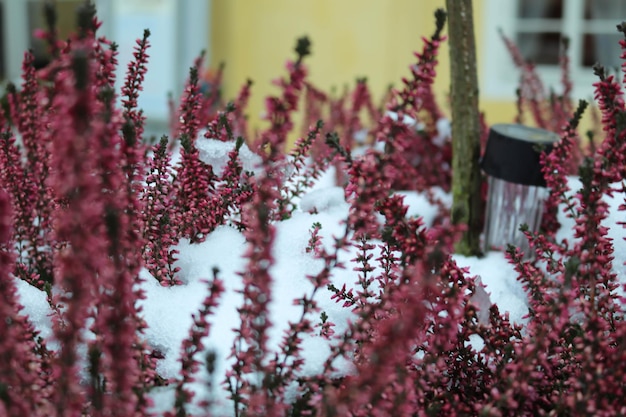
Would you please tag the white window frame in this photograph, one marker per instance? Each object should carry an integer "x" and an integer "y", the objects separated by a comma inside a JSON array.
[
  {"x": 499, "y": 77},
  {"x": 16, "y": 42},
  {"x": 188, "y": 21}
]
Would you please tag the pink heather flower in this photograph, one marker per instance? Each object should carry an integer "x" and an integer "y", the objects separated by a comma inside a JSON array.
[
  {"x": 207, "y": 98},
  {"x": 199, "y": 101},
  {"x": 50, "y": 33},
  {"x": 549, "y": 111},
  {"x": 303, "y": 175},
  {"x": 72, "y": 180},
  {"x": 531, "y": 86},
  {"x": 361, "y": 99},
  {"x": 556, "y": 166},
  {"x": 189, "y": 120},
  {"x": 25, "y": 171},
  {"x": 250, "y": 348},
  {"x": 279, "y": 110},
  {"x": 159, "y": 218},
  {"x": 406, "y": 143},
  {"x": 21, "y": 372},
  {"x": 313, "y": 107},
  {"x": 192, "y": 346},
  {"x": 106, "y": 53},
  {"x": 211, "y": 92},
  {"x": 197, "y": 210},
  {"x": 97, "y": 262},
  {"x": 199, "y": 205},
  {"x": 368, "y": 186},
  {"x": 117, "y": 325},
  {"x": 206, "y": 200},
  {"x": 235, "y": 190},
  {"x": 137, "y": 68},
  {"x": 239, "y": 120}
]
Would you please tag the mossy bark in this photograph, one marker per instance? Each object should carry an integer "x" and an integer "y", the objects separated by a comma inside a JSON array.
[{"x": 466, "y": 180}]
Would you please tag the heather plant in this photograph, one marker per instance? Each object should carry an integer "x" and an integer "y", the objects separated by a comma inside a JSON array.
[
  {"x": 88, "y": 211},
  {"x": 159, "y": 217},
  {"x": 409, "y": 125},
  {"x": 206, "y": 98},
  {"x": 547, "y": 109},
  {"x": 303, "y": 174},
  {"x": 407, "y": 145},
  {"x": 27, "y": 178},
  {"x": 25, "y": 388}
]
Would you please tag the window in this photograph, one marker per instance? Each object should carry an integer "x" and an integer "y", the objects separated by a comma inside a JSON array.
[
  {"x": 179, "y": 32},
  {"x": 537, "y": 27}
]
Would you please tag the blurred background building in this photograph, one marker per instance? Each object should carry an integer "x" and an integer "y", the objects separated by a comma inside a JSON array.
[{"x": 351, "y": 39}]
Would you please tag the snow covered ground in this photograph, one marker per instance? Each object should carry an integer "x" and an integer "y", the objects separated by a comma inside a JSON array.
[{"x": 168, "y": 310}]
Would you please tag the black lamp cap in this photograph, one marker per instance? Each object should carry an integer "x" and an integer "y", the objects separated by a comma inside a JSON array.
[{"x": 513, "y": 152}]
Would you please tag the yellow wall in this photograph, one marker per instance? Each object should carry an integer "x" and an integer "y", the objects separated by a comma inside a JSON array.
[{"x": 351, "y": 38}]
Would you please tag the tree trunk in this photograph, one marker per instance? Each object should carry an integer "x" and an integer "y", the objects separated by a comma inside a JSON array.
[{"x": 466, "y": 180}]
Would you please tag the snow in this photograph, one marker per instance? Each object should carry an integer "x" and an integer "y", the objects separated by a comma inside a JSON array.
[
  {"x": 215, "y": 153},
  {"x": 167, "y": 310},
  {"x": 36, "y": 307}
]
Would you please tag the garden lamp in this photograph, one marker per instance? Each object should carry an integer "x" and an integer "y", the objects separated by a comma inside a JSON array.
[{"x": 517, "y": 189}]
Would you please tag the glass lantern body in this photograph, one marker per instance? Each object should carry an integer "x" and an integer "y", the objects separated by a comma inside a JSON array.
[
  {"x": 510, "y": 205},
  {"x": 517, "y": 193}
]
